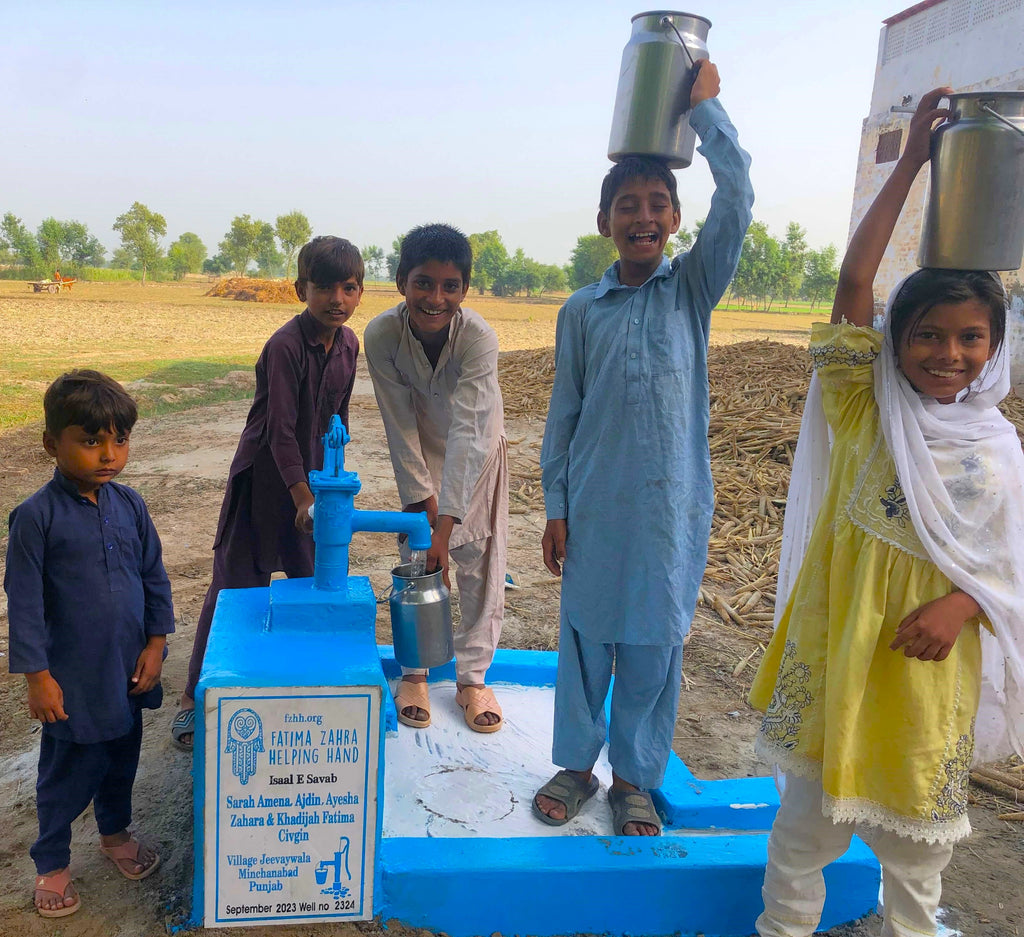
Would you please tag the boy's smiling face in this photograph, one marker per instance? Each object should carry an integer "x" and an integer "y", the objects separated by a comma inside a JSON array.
[
  {"x": 433, "y": 292},
  {"x": 640, "y": 222}
]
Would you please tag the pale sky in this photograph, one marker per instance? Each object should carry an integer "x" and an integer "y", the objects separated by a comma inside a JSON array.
[{"x": 374, "y": 117}]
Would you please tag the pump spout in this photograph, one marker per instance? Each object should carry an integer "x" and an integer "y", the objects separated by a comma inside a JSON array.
[{"x": 415, "y": 526}]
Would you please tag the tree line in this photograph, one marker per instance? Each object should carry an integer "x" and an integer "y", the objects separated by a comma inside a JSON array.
[{"x": 770, "y": 270}]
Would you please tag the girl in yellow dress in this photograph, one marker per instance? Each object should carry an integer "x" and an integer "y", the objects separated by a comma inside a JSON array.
[{"x": 910, "y": 564}]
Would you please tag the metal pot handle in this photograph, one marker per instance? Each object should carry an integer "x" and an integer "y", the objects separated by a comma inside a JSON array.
[
  {"x": 694, "y": 66},
  {"x": 985, "y": 106}
]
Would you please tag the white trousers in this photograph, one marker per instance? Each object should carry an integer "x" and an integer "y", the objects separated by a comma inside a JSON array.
[
  {"x": 480, "y": 576},
  {"x": 803, "y": 841}
]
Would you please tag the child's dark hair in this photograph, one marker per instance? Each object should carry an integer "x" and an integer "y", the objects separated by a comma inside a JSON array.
[
  {"x": 326, "y": 260},
  {"x": 435, "y": 242},
  {"x": 632, "y": 168},
  {"x": 929, "y": 287},
  {"x": 88, "y": 399}
]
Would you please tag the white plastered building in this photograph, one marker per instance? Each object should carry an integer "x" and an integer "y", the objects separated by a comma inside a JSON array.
[{"x": 969, "y": 45}]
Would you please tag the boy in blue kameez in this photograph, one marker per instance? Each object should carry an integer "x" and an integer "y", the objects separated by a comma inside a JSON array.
[
  {"x": 89, "y": 605},
  {"x": 627, "y": 473}
]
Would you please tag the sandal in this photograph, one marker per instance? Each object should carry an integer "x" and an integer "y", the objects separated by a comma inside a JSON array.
[
  {"x": 569, "y": 789},
  {"x": 128, "y": 853},
  {"x": 184, "y": 724},
  {"x": 475, "y": 701},
  {"x": 57, "y": 883},
  {"x": 414, "y": 696},
  {"x": 632, "y": 807}
]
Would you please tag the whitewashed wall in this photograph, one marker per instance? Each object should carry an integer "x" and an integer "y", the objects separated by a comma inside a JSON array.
[{"x": 970, "y": 45}]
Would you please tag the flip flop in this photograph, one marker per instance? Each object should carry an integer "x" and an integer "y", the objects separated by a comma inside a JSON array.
[
  {"x": 475, "y": 701},
  {"x": 416, "y": 695},
  {"x": 129, "y": 852},
  {"x": 632, "y": 807},
  {"x": 57, "y": 883},
  {"x": 567, "y": 788},
  {"x": 184, "y": 724}
]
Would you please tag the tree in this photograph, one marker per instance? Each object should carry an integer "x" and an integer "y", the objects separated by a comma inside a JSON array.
[
  {"x": 794, "y": 259},
  {"x": 186, "y": 255},
  {"x": 19, "y": 243},
  {"x": 50, "y": 235},
  {"x": 293, "y": 230},
  {"x": 590, "y": 258},
  {"x": 761, "y": 270},
  {"x": 821, "y": 276},
  {"x": 239, "y": 243},
  {"x": 552, "y": 279},
  {"x": 269, "y": 259},
  {"x": 374, "y": 262},
  {"x": 140, "y": 230},
  {"x": 217, "y": 265},
  {"x": 66, "y": 243},
  {"x": 521, "y": 275},
  {"x": 490, "y": 261},
  {"x": 393, "y": 257}
]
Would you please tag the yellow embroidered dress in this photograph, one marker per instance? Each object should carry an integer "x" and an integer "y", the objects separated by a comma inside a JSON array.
[{"x": 890, "y": 737}]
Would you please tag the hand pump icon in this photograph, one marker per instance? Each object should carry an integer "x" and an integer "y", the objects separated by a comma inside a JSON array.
[{"x": 340, "y": 861}]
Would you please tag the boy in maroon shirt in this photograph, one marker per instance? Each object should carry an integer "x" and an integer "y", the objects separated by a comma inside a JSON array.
[{"x": 304, "y": 376}]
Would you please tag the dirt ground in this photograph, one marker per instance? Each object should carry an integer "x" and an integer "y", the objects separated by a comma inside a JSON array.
[{"x": 179, "y": 463}]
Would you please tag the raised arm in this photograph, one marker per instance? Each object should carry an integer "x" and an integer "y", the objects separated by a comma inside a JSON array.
[
  {"x": 855, "y": 299},
  {"x": 712, "y": 260}
]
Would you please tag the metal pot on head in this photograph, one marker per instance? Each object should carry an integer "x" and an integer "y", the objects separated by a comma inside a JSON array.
[
  {"x": 974, "y": 219},
  {"x": 651, "y": 116}
]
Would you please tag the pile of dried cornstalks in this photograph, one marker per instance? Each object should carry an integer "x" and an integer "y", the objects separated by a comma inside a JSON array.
[
  {"x": 757, "y": 391},
  {"x": 1007, "y": 781},
  {"x": 757, "y": 396}
]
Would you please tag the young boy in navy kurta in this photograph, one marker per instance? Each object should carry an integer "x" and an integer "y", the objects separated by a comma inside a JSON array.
[
  {"x": 304, "y": 375},
  {"x": 627, "y": 475},
  {"x": 89, "y": 605}
]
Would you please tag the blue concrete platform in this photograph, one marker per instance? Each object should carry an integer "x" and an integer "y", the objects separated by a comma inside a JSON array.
[{"x": 702, "y": 877}]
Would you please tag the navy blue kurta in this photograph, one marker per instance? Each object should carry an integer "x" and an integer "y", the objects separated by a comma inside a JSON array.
[{"x": 86, "y": 588}]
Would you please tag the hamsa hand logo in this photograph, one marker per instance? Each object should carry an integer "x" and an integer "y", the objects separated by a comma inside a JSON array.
[{"x": 245, "y": 739}]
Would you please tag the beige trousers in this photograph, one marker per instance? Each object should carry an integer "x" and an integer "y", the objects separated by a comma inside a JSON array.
[
  {"x": 480, "y": 576},
  {"x": 803, "y": 841}
]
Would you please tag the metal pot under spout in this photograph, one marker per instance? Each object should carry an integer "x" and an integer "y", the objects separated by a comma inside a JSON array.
[{"x": 421, "y": 618}]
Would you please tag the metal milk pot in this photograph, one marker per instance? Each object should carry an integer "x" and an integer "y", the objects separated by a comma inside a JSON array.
[
  {"x": 651, "y": 116},
  {"x": 421, "y": 618},
  {"x": 974, "y": 218}
]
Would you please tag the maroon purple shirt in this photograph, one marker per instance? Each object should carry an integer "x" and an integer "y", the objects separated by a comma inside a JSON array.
[{"x": 299, "y": 387}]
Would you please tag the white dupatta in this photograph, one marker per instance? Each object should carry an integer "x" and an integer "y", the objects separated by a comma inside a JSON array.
[{"x": 962, "y": 471}]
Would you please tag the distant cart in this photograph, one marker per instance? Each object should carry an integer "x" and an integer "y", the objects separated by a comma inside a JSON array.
[{"x": 51, "y": 286}]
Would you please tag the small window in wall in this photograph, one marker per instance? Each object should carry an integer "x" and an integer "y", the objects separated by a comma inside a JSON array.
[{"x": 888, "y": 149}]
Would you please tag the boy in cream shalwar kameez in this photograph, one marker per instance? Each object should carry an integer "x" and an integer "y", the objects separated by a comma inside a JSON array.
[{"x": 441, "y": 405}]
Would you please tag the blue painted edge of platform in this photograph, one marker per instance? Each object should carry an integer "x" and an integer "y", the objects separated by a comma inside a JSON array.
[{"x": 545, "y": 886}]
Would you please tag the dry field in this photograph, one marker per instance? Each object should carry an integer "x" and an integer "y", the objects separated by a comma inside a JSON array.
[{"x": 195, "y": 355}]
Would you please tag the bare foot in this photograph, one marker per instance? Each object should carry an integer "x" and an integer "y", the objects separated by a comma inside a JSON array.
[
  {"x": 485, "y": 718},
  {"x": 144, "y": 858},
  {"x": 632, "y": 828},
  {"x": 414, "y": 712},
  {"x": 55, "y": 892},
  {"x": 555, "y": 809}
]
